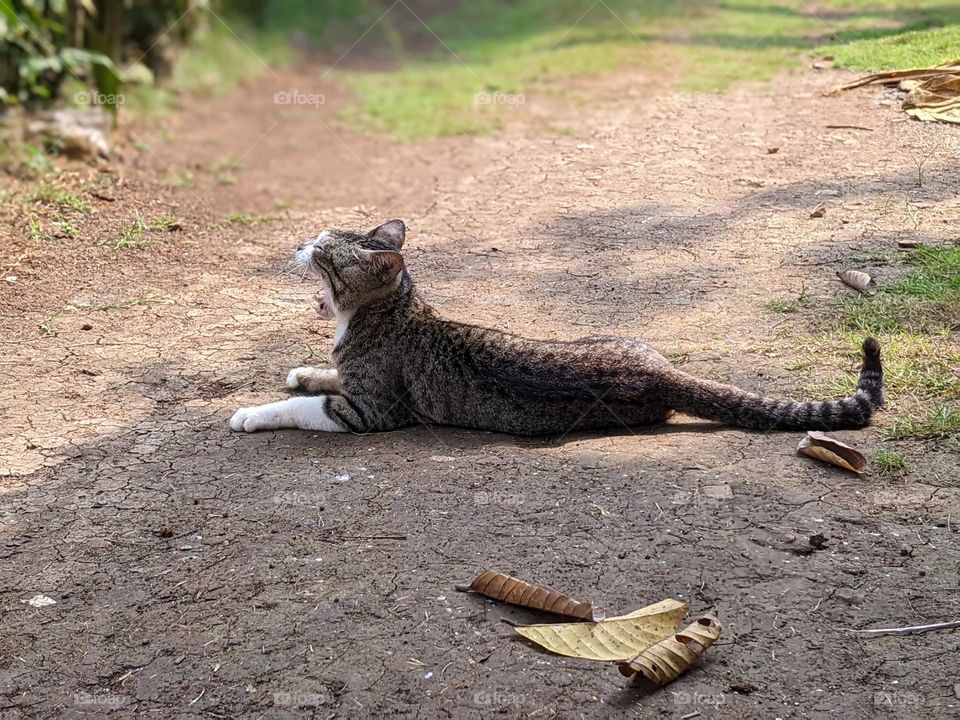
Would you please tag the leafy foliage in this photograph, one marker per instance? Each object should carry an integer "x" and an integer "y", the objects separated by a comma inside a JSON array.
[{"x": 43, "y": 43}]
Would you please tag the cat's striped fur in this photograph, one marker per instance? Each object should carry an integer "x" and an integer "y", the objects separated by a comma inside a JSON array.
[{"x": 398, "y": 362}]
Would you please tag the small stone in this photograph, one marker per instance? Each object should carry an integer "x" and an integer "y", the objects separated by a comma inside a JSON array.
[{"x": 39, "y": 601}]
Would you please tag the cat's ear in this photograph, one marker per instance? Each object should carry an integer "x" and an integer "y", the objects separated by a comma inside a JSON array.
[
  {"x": 387, "y": 264},
  {"x": 392, "y": 233}
]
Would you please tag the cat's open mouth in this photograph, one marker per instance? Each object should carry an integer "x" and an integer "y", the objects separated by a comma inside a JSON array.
[{"x": 322, "y": 306}]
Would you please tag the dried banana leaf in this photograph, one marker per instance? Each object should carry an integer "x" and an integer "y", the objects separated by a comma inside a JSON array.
[
  {"x": 615, "y": 639},
  {"x": 673, "y": 656},
  {"x": 934, "y": 93},
  {"x": 895, "y": 76},
  {"x": 946, "y": 111},
  {"x": 825, "y": 448},
  {"x": 505, "y": 588}
]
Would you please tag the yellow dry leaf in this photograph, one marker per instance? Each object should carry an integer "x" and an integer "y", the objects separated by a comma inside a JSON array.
[
  {"x": 670, "y": 658},
  {"x": 617, "y": 638}
]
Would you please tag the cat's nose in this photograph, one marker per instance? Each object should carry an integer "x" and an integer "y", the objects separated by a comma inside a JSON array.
[{"x": 302, "y": 245}]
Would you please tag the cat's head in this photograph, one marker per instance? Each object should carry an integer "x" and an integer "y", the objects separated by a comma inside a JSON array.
[{"x": 356, "y": 269}]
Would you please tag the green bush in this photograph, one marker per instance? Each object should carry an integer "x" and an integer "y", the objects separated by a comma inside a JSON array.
[{"x": 43, "y": 43}]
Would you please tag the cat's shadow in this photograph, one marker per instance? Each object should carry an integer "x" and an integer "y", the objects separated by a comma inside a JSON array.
[{"x": 465, "y": 438}]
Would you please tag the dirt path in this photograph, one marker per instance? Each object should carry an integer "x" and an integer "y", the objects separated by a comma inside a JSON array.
[{"x": 202, "y": 573}]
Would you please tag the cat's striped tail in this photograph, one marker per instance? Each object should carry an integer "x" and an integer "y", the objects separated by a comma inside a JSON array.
[{"x": 732, "y": 406}]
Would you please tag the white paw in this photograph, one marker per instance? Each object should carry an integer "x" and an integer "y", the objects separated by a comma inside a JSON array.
[
  {"x": 252, "y": 419},
  {"x": 293, "y": 377}
]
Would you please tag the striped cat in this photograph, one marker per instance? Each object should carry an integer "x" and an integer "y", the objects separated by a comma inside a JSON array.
[{"x": 398, "y": 363}]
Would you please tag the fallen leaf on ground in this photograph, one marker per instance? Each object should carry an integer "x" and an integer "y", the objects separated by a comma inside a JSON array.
[
  {"x": 615, "y": 639},
  {"x": 825, "y": 448},
  {"x": 857, "y": 280},
  {"x": 933, "y": 93},
  {"x": 500, "y": 586},
  {"x": 671, "y": 657}
]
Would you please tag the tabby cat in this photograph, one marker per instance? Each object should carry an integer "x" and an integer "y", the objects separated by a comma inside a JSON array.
[{"x": 398, "y": 363}]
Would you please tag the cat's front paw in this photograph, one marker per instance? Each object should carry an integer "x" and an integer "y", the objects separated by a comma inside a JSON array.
[
  {"x": 295, "y": 377},
  {"x": 252, "y": 419}
]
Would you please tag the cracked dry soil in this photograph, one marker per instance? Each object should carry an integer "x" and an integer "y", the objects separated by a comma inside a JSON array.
[{"x": 199, "y": 573}]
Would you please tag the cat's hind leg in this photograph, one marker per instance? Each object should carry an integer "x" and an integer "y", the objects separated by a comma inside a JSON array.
[{"x": 314, "y": 380}]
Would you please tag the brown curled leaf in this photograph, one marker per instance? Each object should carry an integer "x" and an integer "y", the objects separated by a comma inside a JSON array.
[
  {"x": 617, "y": 638},
  {"x": 503, "y": 587},
  {"x": 668, "y": 659},
  {"x": 827, "y": 449},
  {"x": 856, "y": 279}
]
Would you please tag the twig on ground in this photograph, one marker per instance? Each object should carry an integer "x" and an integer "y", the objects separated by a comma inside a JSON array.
[{"x": 910, "y": 629}]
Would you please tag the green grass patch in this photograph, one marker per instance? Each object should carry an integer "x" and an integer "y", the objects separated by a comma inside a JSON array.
[
  {"x": 65, "y": 229},
  {"x": 61, "y": 197},
  {"x": 782, "y": 305},
  {"x": 888, "y": 462},
  {"x": 921, "y": 375},
  {"x": 167, "y": 223},
  {"x": 247, "y": 219},
  {"x": 917, "y": 48},
  {"x": 940, "y": 423},
  {"x": 495, "y": 56},
  {"x": 790, "y": 305},
  {"x": 926, "y": 299},
  {"x": 132, "y": 236},
  {"x": 36, "y": 229},
  {"x": 916, "y": 319},
  {"x": 917, "y": 369}
]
